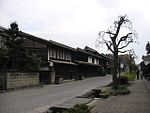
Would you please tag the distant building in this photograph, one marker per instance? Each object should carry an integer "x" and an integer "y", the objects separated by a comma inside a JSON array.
[
  {"x": 127, "y": 61},
  {"x": 90, "y": 62},
  {"x": 145, "y": 65}
]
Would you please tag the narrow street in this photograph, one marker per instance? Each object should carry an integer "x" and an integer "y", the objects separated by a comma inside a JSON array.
[{"x": 35, "y": 100}]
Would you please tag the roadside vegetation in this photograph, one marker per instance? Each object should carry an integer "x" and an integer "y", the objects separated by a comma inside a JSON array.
[
  {"x": 104, "y": 93},
  {"x": 79, "y": 108},
  {"x": 131, "y": 76},
  {"x": 122, "y": 87},
  {"x": 121, "y": 90},
  {"x": 15, "y": 57}
]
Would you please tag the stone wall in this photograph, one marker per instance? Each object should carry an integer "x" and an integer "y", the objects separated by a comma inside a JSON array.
[{"x": 20, "y": 80}]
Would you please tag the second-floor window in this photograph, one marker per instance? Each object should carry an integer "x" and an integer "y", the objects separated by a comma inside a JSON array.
[
  {"x": 59, "y": 54},
  {"x": 93, "y": 60},
  {"x": 53, "y": 53},
  {"x": 96, "y": 61},
  {"x": 68, "y": 56},
  {"x": 89, "y": 59}
]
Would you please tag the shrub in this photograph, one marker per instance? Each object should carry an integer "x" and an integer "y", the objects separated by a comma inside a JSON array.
[
  {"x": 78, "y": 108},
  {"x": 123, "y": 80},
  {"x": 104, "y": 95},
  {"x": 131, "y": 76},
  {"x": 101, "y": 71},
  {"x": 122, "y": 90}
]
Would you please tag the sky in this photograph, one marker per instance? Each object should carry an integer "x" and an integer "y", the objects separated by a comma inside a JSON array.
[{"x": 76, "y": 23}]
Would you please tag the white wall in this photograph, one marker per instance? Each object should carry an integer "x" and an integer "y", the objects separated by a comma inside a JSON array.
[
  {"x": 96, "y": 61},
  {"x": 89, "y": 59},
  {"x": 146, "y": 62}
]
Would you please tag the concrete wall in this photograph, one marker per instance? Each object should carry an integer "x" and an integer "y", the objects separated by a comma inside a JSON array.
[{"x": 20, "y": 80}]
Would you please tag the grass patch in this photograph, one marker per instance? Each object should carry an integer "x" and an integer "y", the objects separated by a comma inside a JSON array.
[
  {"x": 122, "y": 90},
  {"x": 79, "y": 108},
  {"x": 130, "y": 77}
]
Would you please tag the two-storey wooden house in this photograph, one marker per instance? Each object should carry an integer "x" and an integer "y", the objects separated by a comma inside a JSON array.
[
  {"x": 61, "y": 62},
  {"x": 90, "y": 62},
  {"x": 56, "y": 58}
]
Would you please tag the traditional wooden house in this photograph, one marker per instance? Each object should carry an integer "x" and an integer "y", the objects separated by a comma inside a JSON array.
[
  {"x": 56, "y": 59},
  {"x": 60, "y": 62},
  {"x": 107, "y": 62},
  {"x": 90, "y": 62}
]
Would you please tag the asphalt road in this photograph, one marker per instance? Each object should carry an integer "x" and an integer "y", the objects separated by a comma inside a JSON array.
[{"x": 38, "y": 99}]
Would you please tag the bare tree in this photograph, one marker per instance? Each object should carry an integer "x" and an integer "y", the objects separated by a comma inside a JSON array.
[{"x": 116, "y": 38}]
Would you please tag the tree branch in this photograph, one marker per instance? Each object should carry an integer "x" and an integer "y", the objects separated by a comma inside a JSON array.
[
  {"x": 124, "y": 38},
  {"x": 122, "y": 51},
  {"x": 103, "y": 41},
  {"x": 117, "y": 31},
  {"x": 120, "y": 22},
  {"x": 126, "y": 44},
  {"x": 109, "y": 47},
  {"x": 108, "y": 32}
]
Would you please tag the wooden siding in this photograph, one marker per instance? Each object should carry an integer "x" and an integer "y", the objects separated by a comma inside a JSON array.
[
  {"x": 32, "y": 43},
  {"x": 37, "y": 48},
  {"x": 79, "y": 56},
  {"x": 66, "y": 71}
]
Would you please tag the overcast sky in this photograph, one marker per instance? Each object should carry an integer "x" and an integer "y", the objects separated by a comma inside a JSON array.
[{"x": 76, "y": 23}]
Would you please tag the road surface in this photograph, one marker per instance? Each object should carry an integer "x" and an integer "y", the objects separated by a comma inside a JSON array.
[{"x": 38, "y": 99}]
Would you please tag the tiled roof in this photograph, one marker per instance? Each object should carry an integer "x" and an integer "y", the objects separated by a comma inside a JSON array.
[
  {"x": 86, "y": 63},
  {"x": 63, "y": 62},
  {"x": 47, "y": 42}
]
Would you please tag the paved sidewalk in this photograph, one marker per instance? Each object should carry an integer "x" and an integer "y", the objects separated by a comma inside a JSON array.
[{"x": 136, "y": 102}]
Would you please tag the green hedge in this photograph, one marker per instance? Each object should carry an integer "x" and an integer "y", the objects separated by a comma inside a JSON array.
[{"x": 131, "y": 76}]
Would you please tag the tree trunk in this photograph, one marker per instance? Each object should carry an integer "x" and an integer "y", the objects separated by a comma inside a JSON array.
[
  {"x": 130, "y": 67},
  {"x": 115, "y": 67}
]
